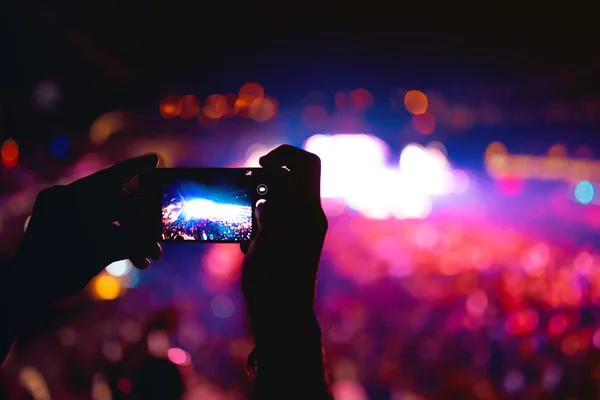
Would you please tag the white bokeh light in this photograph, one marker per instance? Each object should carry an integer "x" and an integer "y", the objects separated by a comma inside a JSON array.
[
  {"x": 119, "y": 268},
  {"x": 355, "y": 168}
]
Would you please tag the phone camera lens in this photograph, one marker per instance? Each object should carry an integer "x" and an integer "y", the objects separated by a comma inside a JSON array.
[{"x": 262, "y": 189}]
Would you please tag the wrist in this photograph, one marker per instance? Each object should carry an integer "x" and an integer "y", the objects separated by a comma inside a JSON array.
[{"x": 276, "y": 326}]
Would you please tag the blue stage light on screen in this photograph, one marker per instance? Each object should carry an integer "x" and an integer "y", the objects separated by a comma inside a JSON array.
[
  {"x": 584, "y": 192},
  {"x": 59, "y": 146}
]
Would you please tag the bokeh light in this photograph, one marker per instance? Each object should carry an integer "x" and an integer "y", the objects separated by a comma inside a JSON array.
[
  {"x": 119, "y": 268},
  {"x": 248, "y": 93},
  {"x": 190, "y": 106},
  {"x": 342, "y": 100},
  {"x": 215, "y": 106},
  {"x": 170, "y": 106},
  {"x": 361, "y": 100},
  {"x": 108, "y": 124},
  {"x": 222, "y": 306},
  {"x": 251, "y": 91},
  {"x": 179, "y": 356},
  {"x": 415, "y": 102},
  {"x": 423, "y": 123},
  {"x": 511, "y": 186},
  {"x": 374, "y": 188},
  {"x": 223, "y": 262},
  {"x": 47, "y": 95},
  {"x": 558, "y": 150},
  {"x": 59, "y": 146},
  {"x": 35, "y": 384},
  {"x": 230, "y": 112},
  {"x": 106, "y": 287},
  {"x": 158, "y": 343},
  {"x": 263, "y": 109},
  {"x": 9, "y": 152},
  {"x": 584, "y": 192}
]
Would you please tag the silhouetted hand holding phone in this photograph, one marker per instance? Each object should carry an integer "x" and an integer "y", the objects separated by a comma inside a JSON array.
[
  {"x": 71, "y": 237},
  {"x": 279, "y": 279}
]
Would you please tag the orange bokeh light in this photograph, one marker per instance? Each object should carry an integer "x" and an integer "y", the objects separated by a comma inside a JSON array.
[
  {"x": 242, "y": 107},
  {"x": 361, "y": 100},
  {"x": 231, "y": 98},
  {"x": 9, "y": 153},
  {"x": 107, "y": 287},
  {"x": 415, "y": 102},
  {"x": 423, "y": 123},
  {"x": 170, "y": 106},
  {"x": 190, "y": 106},
  {"x": 263, "y": 109},
  {"x": 215, "y": 106},
  {"x": 251, "y": 91}
]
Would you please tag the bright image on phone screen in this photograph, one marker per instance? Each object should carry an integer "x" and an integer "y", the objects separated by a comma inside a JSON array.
[{"x": 212, "y": 207}]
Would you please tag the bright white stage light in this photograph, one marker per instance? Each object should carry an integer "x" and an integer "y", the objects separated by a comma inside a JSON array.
[
  {"x": 207, "y": 209},
  {"x": 355, "y": 168}
]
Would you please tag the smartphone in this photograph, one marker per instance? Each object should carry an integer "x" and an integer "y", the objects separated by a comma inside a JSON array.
[{"x": 208, "y": 205}]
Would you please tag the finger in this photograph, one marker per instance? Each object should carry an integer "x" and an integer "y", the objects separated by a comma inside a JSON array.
[
  {"x": 154, "y": 251},
  {"x": 120, "y": 173},
  {"x": 140, "y": 262},
  {"x": 305, "y": 171},
  {"x": 259, "y": 212},
  {"x": 134, "y": 216},
  {"x": 244, "y": 246}
]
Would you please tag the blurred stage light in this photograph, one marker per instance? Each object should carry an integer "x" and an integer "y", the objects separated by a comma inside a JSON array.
[
  {"x": 170, "y": 106},
  {"x": 189, "y": 106},
  {"x": 222, "y": 306},
  {"x": 415, "y": 102},
  {"x": 119, "y": 268},
  {"x": 59, "y": 146},
  {"x": 33, "y": 381},
  {"x": 106, "y": 287},
  {"x": 215, "y": 106},
  {"x": 584, "y": 192},
  {"x": 158, "y": 343},
  {"x": 263, "y": 109},
  {"x": 9, "y": 153},
  {"x": 354, "y": 168},
  {"x": 106, "y": 125},
  {"x": 361, "y": 100},
  {"x": 423, "y": 123},
  {"x": 179, "y": 356},
  {"x": 47, "y": 94}
]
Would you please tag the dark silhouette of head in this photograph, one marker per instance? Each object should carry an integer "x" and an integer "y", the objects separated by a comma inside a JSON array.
[{"x": 157, "y": 379}]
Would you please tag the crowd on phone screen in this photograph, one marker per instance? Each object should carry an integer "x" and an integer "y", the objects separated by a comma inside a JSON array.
[{"x": 177, "y": 227}]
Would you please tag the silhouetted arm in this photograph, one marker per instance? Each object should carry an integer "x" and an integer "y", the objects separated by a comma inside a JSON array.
[
  {"x": 57, "y": 259},
  {"x": 7, "y": 332},
  {"x": 15, "y": 306},
  {"x": 290, "y": 360}
]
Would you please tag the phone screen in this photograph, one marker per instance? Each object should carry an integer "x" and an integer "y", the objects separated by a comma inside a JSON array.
[
  {"x": 208, "y": 205},
  {"x": 214, "y": 205}
]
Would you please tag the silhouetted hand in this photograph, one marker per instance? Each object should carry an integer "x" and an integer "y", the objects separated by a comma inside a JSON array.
[
  {"x": 72, "y": 234},
  {"x": 279, "y": 277},
  {"x": 280, "y": 268}
]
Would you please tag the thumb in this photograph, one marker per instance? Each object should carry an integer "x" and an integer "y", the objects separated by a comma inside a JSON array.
[{"x": 261, "y": 213}]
